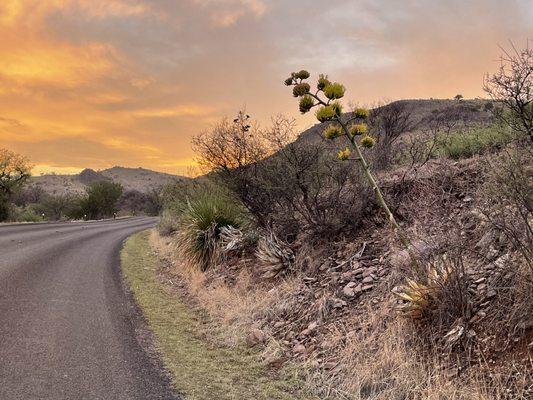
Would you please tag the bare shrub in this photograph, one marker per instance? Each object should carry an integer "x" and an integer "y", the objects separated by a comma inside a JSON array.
[
  {"x": 508, "y": 197},
  {"x": 288, "y": 185},
  {"x": 512, "y": 86},
  {"x": 387, "y": 123}
]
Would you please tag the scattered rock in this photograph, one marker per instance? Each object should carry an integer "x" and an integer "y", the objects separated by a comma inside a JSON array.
[
  {"x": 366, "y": 288},
  {"x": 368, "y": 279},
  {"x": 348, "y": 291},
  {"x": 299, "y": 349}
]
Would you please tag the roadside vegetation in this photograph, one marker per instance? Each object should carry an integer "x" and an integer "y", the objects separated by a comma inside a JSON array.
[
  {"x": 21, "y": 201},
  {"x": 202, "y": 367},
  {"x": 386, "y": 252}
]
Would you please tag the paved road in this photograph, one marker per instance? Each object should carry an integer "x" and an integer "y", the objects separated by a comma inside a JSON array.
[{"x": 67, "y": 329}]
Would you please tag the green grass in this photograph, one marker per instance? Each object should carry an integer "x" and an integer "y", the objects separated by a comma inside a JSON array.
[
  {"x": 465, "y": 144},
  {"x": 200, "y": 369}
]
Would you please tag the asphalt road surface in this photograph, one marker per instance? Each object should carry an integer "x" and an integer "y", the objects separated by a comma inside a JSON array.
[{"x": 68, "y": 330}]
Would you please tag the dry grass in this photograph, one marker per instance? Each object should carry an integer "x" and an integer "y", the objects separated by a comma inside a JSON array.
[
  {"x": 375, "y": 354},
  {"x": 238, "y": 307},
  {"x": 202, "y": 368},
  {"x": 380, "y": 357}
]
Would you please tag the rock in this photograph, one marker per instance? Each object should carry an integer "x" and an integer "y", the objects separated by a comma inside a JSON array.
[
  {"x": 369, "y": 271},
  {"x": 325, "y": 265},
  {"x": 482, "y": 287},
  {"x": 277, "y": 362},
  {"x": 346, "y": 276},
  {"x": 279, "y": 324},
  {"x": 486, "y": 240},
  {"x": 348, "y": 291},
  {"x": 338, "y": 303},
  {"x": 368, "y": 279},
  {"x": 299, "y": 349},
  {"x": 312, "y": 326},
  {"x": 367, "y": 287},
  {"x": 480, "y": 280},
  {"x": 490, "y": 294},
  {"x": 255, "y": 337},
  {"x": 501, "y": 261}
]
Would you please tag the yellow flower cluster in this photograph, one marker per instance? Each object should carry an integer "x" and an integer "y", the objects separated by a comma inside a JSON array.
[
  {"x": 358, "y": 129},
  {"x": 343, "y": 155},
  {"x": 332, "y": 132}
]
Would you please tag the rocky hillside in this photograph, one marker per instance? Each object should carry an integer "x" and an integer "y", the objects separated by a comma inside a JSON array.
[
  {"x": 140, "y": 179},
  {"x": 424, "y": 113}
]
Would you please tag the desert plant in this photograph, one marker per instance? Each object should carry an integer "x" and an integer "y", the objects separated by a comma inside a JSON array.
[
  {"x": 275, "y": 256},
  {"x": 14, "y": 172},
  {"x": 200, "y": 225},
  {"x": 437, "y": 294},
  {"x": 512, "y": 86},
  {"x": 330, "y": 110},
  {"x": 101, "y": 200}
]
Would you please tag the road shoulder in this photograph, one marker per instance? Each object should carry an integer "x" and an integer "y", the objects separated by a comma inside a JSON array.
[{"x": 201, "y": 369}]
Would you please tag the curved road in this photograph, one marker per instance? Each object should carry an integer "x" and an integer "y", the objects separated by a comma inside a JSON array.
[{"x": 67, "y": 328}]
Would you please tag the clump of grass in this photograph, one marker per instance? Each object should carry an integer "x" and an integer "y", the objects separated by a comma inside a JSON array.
[
  {"x": 465, "y": 144},
  {"x": 200, "y": 225}
]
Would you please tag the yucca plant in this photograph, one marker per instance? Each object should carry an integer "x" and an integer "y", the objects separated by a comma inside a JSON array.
[{"x": 200, "y": 226}]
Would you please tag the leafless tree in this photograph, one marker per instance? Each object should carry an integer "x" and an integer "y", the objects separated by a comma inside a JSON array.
[
  {"x": 512, "y": 86},
  {"x": 388, "y": 123}
]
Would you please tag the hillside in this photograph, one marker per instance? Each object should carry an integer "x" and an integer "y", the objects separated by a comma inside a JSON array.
[
  {"x": 423, "y": 113},
  {"x": 140, "y": 179}
]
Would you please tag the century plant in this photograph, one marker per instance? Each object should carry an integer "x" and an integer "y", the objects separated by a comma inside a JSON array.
[{"x": 329, "y": 109}]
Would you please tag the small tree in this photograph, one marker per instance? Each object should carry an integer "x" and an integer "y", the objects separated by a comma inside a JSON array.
[
  {"x": 458, "y": 97},
  {"x": 351, "y": 126},
  {"x": 512, "y": 86},
  {"x": 14, "y": 172},
  {"x": 101, "y": 199}
]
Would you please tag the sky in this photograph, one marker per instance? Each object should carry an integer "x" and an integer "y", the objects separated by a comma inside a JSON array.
[{"x": 98, "y": 83}]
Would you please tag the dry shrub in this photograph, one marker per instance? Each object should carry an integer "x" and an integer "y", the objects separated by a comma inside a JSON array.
[
  {"x": 508, "y": 208},
  {"x": 287, "y": 184}
]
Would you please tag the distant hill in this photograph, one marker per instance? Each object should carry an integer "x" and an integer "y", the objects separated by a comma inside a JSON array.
[{"x": 140, "y": 179}]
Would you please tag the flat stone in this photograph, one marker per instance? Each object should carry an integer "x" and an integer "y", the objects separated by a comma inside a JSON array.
[
  {"x": 368, "y": 279},
  {"x": 367, "y": 287}
]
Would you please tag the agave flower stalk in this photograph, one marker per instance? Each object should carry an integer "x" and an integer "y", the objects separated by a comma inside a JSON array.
[{"x": 331, "y": 111}]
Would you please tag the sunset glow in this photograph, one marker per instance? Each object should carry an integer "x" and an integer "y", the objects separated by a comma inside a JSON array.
[{"x": 97, "y": 83}]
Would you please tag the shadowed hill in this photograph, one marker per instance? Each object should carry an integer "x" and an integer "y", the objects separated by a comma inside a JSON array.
[{"x": 140, "y": 179}]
